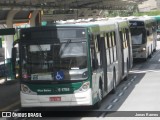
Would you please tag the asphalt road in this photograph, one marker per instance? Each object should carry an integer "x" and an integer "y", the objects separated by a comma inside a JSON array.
[{"x": 9, "y": 96}]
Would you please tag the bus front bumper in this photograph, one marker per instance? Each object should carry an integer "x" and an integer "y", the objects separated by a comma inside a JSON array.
[
  {"x": 76, "y": 99},
  {"x": 139, "y": 55}
]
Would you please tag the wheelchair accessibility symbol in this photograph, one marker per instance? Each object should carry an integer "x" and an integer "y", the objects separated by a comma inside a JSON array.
[{"x": 59, "y": 75}]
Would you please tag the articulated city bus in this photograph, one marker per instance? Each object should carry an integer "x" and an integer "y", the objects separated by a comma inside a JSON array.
[
  {"x": 144, "y": 37},
  {"x": 69, "y": 64}
]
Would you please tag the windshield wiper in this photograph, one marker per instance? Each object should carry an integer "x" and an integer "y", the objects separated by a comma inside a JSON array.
[{"x": 66, "y": 45}]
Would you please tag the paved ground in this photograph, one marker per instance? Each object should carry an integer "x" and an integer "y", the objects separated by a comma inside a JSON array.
[{"x": 9, "y": 95}]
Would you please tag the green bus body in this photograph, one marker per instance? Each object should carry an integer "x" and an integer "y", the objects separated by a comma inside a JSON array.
[{"x": 90, "y": 62}]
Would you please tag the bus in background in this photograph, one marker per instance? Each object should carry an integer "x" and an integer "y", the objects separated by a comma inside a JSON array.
[
  {"x": 143, "y": 35},
  {"x": 157, "y": 18},
  {"x": 69, "y": 65}
]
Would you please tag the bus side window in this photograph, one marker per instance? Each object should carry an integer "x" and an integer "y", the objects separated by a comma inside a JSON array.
[
  {"x": 108, "y": 45},
  {"x": 127, "y": 37},
  {"x": 111, "y": 47},
  {"x": 98, "y": 41},
  {"x": 121, "y": 36},
  {"x": 124, "y": 38},
  {"x": 105, "y": 38},
  {"x": 95, "y": 43},
  {"x": 94, "y": 61},
  {"x": 114, "y": 38},
  {"x": 107, "y": 49},
  {"x": 114, "y": 46},
  {"x": 112, "y": 43}
]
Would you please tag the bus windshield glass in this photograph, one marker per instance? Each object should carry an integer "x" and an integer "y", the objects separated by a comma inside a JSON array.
[
  {"x": 138, "y": 36},
  {"x": 58, "y": 61}
]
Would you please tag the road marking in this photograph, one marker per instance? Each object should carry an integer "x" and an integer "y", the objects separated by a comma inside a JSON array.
[
  {"x": 132, "y": 80},
  {"x": 10, "y": 106},
  {"x": 125, "y": 88},
  {"x": 129, "y": 83},
  {"x": 120, "y": 94},
  {"x": 115, "y": 100},
  {"x": 109, "y": 107},
  {"x": 102, "y": 115},
  {"x": 134, "y": 77},
  {"x": 155, "y": 54}
]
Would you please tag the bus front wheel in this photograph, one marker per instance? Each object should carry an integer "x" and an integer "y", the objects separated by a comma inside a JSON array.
[
  {"x": 114, "y": 83},
  {"x": 100, "y": 96}
]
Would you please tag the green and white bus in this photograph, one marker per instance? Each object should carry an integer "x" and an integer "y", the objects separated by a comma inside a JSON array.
[
  {"x": 144, "y": 37},
  {"x": 69, "y": 64}
]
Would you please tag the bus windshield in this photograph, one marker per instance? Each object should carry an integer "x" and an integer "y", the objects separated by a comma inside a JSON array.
[
  {"x": 57, "y": 61},
  {"x": 138, "y": 36}
]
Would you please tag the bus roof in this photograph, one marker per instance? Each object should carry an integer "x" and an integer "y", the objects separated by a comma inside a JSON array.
[
  {"x": 122, "y": 22},
  {"x": 156, "y": 17},
  {"x": 93, "y": 26}
]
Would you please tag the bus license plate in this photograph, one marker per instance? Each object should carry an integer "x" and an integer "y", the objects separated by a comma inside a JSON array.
[{"x": 55, "y": 98}]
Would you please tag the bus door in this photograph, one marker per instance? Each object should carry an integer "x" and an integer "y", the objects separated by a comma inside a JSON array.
[{"x": 103, "y": 59}]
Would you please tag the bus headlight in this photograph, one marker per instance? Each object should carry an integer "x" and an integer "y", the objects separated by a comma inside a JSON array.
[
  {"x": 25, "y": 89},
  {"x": 143, "y": 49},
  {"x": 84, "y": 87}
]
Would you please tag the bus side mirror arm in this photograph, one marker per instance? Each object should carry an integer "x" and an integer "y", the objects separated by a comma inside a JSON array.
[{"x": 14, "y": 52}]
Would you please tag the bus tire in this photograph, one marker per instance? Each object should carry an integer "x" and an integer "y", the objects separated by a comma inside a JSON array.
[
  {"x": 127, "y": 71},
  {"x": 100, "y": 95},
  {"x": 114, "y": 83},
  {"x": 150, "y": 56},
  {"x": 154, "y": 50}
]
